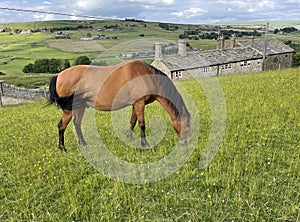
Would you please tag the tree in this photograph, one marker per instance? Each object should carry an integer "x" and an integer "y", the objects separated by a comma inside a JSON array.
[
  {"x": 66, "y": 64},
  {"x": 41, "y": 66},
  {"x": 45, "y": 66},
  {"x": 296, "y": 61},
  {"x": 164, "y": 26},
  {"x": 54, "y": 66},
  {"x": 28, "y": 68},
  {"x": 82, "y": 60}
]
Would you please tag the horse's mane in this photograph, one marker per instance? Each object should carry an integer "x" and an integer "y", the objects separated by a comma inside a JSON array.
[{"x": 169, "y": 92}]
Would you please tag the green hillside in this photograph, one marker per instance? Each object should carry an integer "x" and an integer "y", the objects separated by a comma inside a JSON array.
[
  {"x": 253, "y": 177},
  {"x": 18, "y": 50}
]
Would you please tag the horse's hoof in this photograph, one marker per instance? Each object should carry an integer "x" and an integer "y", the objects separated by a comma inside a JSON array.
[
  {"x": 62, "y": 148},
  {"x": 82, "y": 143},
  {"x": 130, "y": 135},
  {"x": 145, "y": 145}
]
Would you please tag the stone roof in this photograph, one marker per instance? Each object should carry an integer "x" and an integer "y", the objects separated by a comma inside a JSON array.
[
  {"x": 194, "y": 60},
  {"x": 274, "y": 46}
]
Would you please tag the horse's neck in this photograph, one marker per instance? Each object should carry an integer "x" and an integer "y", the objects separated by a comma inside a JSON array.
[{"x": 169, "y": 107}]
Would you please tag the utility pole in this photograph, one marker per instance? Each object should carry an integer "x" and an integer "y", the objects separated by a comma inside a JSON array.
[
  {"x": 1, "y": 92},
  {"x": 265, "y": 47}
]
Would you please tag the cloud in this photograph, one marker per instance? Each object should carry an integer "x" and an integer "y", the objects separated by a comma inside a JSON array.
[
  {"x": 176, "y": 11},
  {"x": 154, "y": 2},
  {"x": 43, "y": 17},
  {"x": 88, "y": 5},
  {"x": 248, "y": 5},
  {"x": 261, "y": 6},
  {"x": 189, "y": 13}
]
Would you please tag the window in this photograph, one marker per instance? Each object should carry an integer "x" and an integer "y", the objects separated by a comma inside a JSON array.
[
  {"x": 226, "y": 66},
  {"x": 206, "y": 69},
  {"x": 246, "y": 63},
  {"x": 178, "y": 74},
  {"x": 243, "y": 64}
]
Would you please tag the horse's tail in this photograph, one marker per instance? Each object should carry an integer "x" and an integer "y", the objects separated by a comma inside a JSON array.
[
  {"x": 52, "y": 90},
  {"x": 62, "y": 102}
]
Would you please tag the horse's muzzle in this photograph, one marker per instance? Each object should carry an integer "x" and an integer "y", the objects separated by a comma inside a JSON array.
[{"x": 184, "y": 142}]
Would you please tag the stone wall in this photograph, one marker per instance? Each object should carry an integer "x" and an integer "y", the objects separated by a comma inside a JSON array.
[
  {"x": 279, "y": 61},
  {"x": 31, "y": 94}
]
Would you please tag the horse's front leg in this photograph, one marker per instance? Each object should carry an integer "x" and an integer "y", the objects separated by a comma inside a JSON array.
[
  {"x": 62, "y": 125},
  {"x": 139, "y": 108}
]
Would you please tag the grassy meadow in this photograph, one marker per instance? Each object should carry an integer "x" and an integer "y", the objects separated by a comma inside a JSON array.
[{"x": 253, "y": 177}]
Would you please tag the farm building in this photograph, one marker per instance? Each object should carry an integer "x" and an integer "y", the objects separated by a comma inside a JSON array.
[
  {"x": 278, "y": 54},
  {"x": 237, "y": 57},
  {"x": 62, "y": 36}
]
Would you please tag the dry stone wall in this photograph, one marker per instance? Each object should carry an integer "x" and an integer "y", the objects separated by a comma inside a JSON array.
[{"x": 30, "y": 94}]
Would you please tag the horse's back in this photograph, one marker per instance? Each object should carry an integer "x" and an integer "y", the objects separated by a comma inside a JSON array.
[
  {"x": 77, "y": 77},
  {"x": 125, "y": 85},
  {"x": 102, "y": 84}
]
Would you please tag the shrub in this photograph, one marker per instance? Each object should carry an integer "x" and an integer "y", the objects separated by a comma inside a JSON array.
[
  {"x": 46, "y": 66},
  {"x": 82, "y": 60},
  {"x": 296, "y": 61}
]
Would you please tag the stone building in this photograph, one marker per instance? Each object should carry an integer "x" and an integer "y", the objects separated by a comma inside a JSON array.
[
  {"x": 237, "y": 57},
  {"x": 278, "y": 54}
]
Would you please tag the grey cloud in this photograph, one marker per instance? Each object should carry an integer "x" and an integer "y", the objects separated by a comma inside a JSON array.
[{"x": 175, "y": 11}]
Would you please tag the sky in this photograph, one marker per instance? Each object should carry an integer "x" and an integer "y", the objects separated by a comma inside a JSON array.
[{"x": 171, "y": 11}]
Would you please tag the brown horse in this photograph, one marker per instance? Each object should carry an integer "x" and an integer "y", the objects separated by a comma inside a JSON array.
[{"x": 111, "y": 88}]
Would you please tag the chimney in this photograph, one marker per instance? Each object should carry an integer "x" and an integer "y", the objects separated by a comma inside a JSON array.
[
  {"x": 233, "y": 41},
  {"x": 182, "y": 47},
  {"x": 252, "y": 40},
  {"x": 158, "y": 51},
  {"x": 221, "y": 42}
]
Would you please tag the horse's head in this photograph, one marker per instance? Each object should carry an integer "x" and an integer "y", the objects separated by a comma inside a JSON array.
[{"x": 182, "y": 126}]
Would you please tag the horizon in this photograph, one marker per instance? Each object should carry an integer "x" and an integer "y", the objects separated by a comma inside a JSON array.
[
  {"x": 277, "y": 23},
  {"x": 167, "y": 11}
]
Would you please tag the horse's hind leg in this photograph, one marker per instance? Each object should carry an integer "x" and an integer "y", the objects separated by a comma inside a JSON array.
[
  {"x": 139, "y": 108},
  {"x": 62, "y": 125},
  {"x": 133, "y": 121},
  {"x": 78, "y": 115}
]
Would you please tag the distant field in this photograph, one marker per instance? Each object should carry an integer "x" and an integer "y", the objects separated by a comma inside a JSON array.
[
  {"x": 295, "y": 37},
  {"x": 273, "y": 24},
  {"x": 19, "y": 50},
  {"x": 253, "y": 177},
  {"x": 77, "y": 46}
]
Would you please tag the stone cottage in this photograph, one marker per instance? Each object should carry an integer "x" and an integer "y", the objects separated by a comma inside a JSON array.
[
  {"x": 237, "y": 57},
  {"x": 278, "y": 55}
]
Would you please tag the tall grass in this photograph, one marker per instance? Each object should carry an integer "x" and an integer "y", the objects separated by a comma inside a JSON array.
[{"x": 253, "y": 177}]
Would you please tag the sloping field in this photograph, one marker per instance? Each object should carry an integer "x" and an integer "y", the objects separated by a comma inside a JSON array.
[
  {"x": 253, "y": 177},
  {"x": 76, "y": 46}
]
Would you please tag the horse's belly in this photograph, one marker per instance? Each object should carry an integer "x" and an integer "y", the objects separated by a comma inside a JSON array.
[{"x": 109, "y": 106}]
